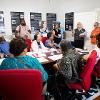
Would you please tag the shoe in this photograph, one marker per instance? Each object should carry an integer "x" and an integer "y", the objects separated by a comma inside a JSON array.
[
  {"x": 93, "y": 90},
  {"x": 88, "y": 95}
]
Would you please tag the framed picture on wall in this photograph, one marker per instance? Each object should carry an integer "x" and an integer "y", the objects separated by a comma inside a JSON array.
[
  {"x": 2, "y": 26},
  {"x": 16, "y": 17},
  {"x": 51, "y": 18},
  {"x": 35, "y": 18},
  {"x": 69, "y": 21}
]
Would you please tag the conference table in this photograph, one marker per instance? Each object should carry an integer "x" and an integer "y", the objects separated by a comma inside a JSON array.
[{"x": 49, "y": 56}]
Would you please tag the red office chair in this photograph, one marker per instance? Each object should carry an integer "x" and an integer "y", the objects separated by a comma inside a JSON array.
[
  {"x": 85, "y": 75},
  {"x": 96, "y": 72},
  {"x": 28, "y": 42},
  {"x": 20, "y": 85},
  {"x": 44, "y": 39}
]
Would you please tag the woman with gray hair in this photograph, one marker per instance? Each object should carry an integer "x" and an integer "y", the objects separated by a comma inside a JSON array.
[{"x": 68, "y": 65}]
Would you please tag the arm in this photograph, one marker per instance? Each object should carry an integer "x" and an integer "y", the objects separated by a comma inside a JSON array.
[
  {"x": 49, "y": 44},
  {"x": 17, "y": 29},
  {"x": 28, "y": 29}
]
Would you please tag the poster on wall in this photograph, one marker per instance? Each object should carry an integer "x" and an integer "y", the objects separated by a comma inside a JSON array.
[
  {"x": 69, "y": 21},
  {"x": 16, "y": 17},
  {"x": 2, "y": 27},
  {"x": 35, "y": 18},
  {"x": 51, "y": 18}
]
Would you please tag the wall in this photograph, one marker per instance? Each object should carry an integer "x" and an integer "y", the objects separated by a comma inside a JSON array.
[
  {"x": 46, "y": 6},
  {"x": 87, "y": 19},
  {"x": 26, "y": 6},
  {"x": 85, "y": 11}
]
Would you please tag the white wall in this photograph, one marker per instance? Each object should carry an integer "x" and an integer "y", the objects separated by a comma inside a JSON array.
[
  {"x": 46, "y": 6},
  {"x": 26, "y": 6},
  {"x": 85, "y": 12},
  {"x": 87, "y": 19}
]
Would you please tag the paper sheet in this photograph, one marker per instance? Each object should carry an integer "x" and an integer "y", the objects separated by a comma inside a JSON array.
[
  {"x": 42, "y": 59},
  {"x": 55, "y": 57}
]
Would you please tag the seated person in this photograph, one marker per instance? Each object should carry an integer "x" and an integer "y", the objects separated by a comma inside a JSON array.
[
  {"x": 68, "y": 65},
  {"x": 4, "y": 46},
  {"x": 20, "y": 60},
  {"x": 50, "y": 40},
  {"x": 37, "y": 43}
]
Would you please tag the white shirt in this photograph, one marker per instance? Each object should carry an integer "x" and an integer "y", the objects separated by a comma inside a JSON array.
[{"x": 35, "y": 46}]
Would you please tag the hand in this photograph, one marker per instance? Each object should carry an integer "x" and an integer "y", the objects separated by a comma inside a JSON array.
[
  {"x": 56, "y": 67},
  {"x": 1, "y": 55}
]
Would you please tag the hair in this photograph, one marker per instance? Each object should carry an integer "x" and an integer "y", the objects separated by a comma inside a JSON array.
[
  {"x": 97, "y": 23},
  {"x": 41, "y": 24},
  {"x": 56, "y": 23},
  {"x": 98, "y": 40},
  {"x": 79, "y": 23},
  {"x": 65, "y": 45},
  {"x": 17, "y": 46},
  {"x": 23, "y": 21},
  {"x": 36, "y": 36},
  {"x": 49, "y": 35},
  {"x": 2, "y": 39}
]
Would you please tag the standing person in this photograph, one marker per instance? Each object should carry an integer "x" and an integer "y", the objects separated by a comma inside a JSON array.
[
  {"x": 23, "y": 29},
  {"x": 94, "y": 32},
  {"x": 79, "y": 36},
  {"x": 43, "y": 28},
  {"x": 57, "y": 31}
]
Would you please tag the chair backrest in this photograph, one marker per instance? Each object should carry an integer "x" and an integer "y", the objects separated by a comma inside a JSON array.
[
  {"x": 96, "y": 71},
  {"x": 28, "y": 42},
  {"x": 87, "y": 71},
  {"x": 20, "y": 85},
  {"x": 44, "y": 39}
]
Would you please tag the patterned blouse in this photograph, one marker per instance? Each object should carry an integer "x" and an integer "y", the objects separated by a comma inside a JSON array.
[
  {"x": 23, "y": 62},
  {"x": 68, "y": 65}
]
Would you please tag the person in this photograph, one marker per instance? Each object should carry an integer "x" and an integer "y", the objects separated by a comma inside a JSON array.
[
  {"x": 57, "y": 35},
  {"x": 50, "y": 41},
  {"x": 37, "y": 43},
  {"x": 20, "y": 60},
  {"x": 23, "y": 30},
  {"x": 94, "y": 32},
  {"x": 68, "y": 65},
  {"x": 79, "y": 36},
  {"x": 43, "y": 28},
  {"x": 66, "y": 71},
  {"x": 4, "y": 46}
]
